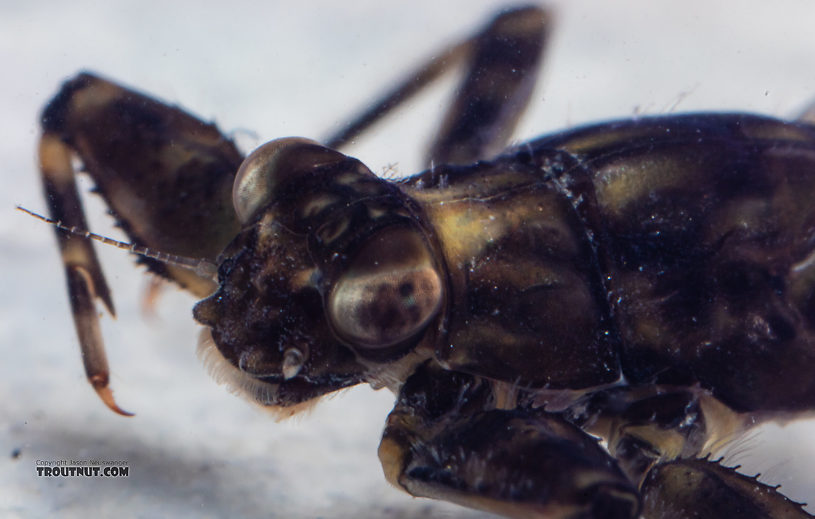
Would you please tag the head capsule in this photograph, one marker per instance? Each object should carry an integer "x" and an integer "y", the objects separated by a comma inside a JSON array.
[{"x": 335, "y": 269}]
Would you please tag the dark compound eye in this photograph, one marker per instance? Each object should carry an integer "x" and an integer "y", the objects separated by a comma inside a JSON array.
[{"x": 391, "y": 291}]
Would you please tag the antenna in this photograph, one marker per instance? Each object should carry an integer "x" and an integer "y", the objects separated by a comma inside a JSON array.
[{"x": 201, "y": 267}]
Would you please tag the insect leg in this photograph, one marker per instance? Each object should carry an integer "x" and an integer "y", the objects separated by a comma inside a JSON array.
[
  {"x": 165, "y": 175},
  {"x": 82, "y": 271},
  {"x": 703, "y": 489},
  {"x": 425, "y": 75},
  {"x": 662, "y": 438},
  {"x": 445, "y": 439},
  {"x": 502, "y": 70},
  {"x": 502, "y": 62},
  {"x": 646, "y": 425}
]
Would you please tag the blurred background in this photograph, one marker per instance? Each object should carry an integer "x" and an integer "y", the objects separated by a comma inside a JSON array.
[{"x": 262, "y": 70}]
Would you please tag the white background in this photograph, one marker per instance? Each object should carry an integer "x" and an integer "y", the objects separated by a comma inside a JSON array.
[{"x": 269, "y": 69}]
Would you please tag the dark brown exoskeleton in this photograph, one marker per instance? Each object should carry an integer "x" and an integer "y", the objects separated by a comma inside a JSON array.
[{"x": 649, "y": 281}]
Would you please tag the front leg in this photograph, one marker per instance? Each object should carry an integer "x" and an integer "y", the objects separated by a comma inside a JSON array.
[
  {"x": 447, "y": 440},
  {"x": 166, "y": 177}
]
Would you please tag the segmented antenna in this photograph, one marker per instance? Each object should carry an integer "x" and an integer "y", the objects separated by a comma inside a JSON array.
[{"x": 201, "y": 267}]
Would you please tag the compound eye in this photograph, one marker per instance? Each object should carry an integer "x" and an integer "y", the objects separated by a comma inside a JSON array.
[
  {"x": 390, "y": 293},
  {"x": 269, "y": 166}
]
